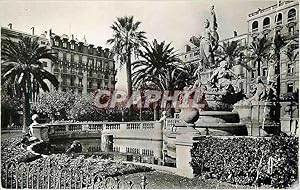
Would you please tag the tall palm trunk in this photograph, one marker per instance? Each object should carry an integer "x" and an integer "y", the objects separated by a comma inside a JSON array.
[
  {"x": 171, "y": 93},
  {"x": 258, "y": 67},
  {"x": 129, "y": 80},
  {"x": 278, "y": 78},
  {"x": 26, "y": 112}
]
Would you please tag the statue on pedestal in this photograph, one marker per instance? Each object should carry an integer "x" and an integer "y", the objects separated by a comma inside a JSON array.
[{"x": 208, "y": 42}]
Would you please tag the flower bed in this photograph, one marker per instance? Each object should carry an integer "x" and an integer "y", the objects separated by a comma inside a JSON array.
[
  {"x": 11, "y": 149},
  {"x": 248, "y": 161}
]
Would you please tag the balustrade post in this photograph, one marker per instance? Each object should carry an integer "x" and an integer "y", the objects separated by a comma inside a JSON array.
[
  {"x": 185, "y": 138},
  {"x": 144, "y": 182}
]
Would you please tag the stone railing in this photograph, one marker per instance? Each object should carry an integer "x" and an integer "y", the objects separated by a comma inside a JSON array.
[
  {"x": 273, "y": 7},
  {"x": 135, "y": 130}
]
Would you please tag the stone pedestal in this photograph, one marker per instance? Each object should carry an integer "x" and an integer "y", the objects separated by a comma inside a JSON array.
[
  {"x": 107, "y": 142},
  {"x": 185, "y": 138},
  {"x": 257, "y": 116},
  {"x": 40, "y": 132}
]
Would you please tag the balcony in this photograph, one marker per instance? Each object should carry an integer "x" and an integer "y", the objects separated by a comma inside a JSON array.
[
  {"x": 292, "y": 19},
  {"x": 266, "y": 26},
  {"x": 254, "y": 30}
]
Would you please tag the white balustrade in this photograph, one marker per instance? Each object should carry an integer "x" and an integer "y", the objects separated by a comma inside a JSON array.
[{"x": 149, "y": 130}]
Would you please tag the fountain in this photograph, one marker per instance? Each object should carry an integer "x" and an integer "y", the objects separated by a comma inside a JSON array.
[
  {"x": 214, "y": 118},
  {"x": 217, "y": 118}
]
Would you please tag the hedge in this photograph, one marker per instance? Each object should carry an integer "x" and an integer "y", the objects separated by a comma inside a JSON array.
[{"x": 248, "y": 161}]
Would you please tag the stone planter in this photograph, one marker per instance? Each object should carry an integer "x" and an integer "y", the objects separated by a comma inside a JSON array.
[{"x": 40, "y": 132}]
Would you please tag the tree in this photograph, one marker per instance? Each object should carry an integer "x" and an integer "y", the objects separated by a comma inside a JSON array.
[
  {"x": 127, "y": 39},
  {"x": 23, "y": 65},
  {"x": 233, "y": 52},
  {"x": 259, "y": 49},
  {"x": 84, "y": 109},
  {"x": 54, "y": 103},
  {"x": 160, "y": 66}
]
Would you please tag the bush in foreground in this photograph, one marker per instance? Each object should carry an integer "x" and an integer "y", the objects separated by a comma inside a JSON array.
[{"x": 248, "y": 161}]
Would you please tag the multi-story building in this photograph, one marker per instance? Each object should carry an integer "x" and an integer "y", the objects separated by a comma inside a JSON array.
[
  {"x": 81, "y": 67},
  {"x": 282, "y": 19}
]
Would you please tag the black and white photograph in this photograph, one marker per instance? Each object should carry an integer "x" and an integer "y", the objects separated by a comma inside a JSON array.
[{"x": 140, "y": 94}]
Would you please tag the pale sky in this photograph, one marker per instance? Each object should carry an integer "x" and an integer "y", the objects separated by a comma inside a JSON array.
[{"x": 170, "y": 21}]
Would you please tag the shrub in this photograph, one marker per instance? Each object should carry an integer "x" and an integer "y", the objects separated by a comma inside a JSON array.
[{"x": 248, "y": 161}]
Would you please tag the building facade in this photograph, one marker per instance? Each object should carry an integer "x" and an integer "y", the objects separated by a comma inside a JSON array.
[
  {"x": 81, "y": 68},
  {"x": 281, "y": 19}
]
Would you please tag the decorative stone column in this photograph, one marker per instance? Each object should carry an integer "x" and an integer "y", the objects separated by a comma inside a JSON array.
[
  {"x": 185, "y": 138},
  {"x": 40, "y": 132},
  {"x": 107, "y": 142}
]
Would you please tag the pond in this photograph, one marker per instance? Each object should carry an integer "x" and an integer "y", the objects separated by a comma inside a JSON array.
[{"x": 133, "y": 150}]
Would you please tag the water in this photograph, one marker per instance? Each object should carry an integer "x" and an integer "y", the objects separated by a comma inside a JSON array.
[{"x": 145, "y": 151}]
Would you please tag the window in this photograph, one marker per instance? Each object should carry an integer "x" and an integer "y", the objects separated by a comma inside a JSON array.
[
  {"x": 64, "y": 45},
  {"x": 278, "y": 18},
  {"x": 241, "y": 86},
  {"x": 290, "y": 87},
  {"x": 72, "y": 46},
  {"x": 72, "y": 81},
  {"x": 253, "y": 74},
  {"x": 265, "y": 72},
  {"x": 291, "y": 30},
  {"x": 266, "y": 22},
  {"x": 90, "y": 84},
  {"x": 56, "y": 43},
  {"x": 254, "y": 26},
  {"x": 292, "y": 15},
  {"x": 72, "y": 57},
  {"x": 98, "y": 84},
  {"x": 290, "y": 67}
]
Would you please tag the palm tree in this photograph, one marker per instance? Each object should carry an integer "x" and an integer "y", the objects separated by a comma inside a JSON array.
[
  {"x": 127, "y": 39},
  {"x": 233, "y": 52},
  {"x": 259, "y": 49},
  {"x": 22, "y": 69},
  {"x": 277, "y": 45},
  {"x": 160, "y": 66}
]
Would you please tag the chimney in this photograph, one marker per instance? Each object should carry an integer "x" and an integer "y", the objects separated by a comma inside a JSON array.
[
  {"x": 32, "y": 29},
  {"x": 10, "y": 26},
  {"x": 235, "y": 33},
  {"x": 187, "y": 48},
  {"x": 72, "y": 36}
]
